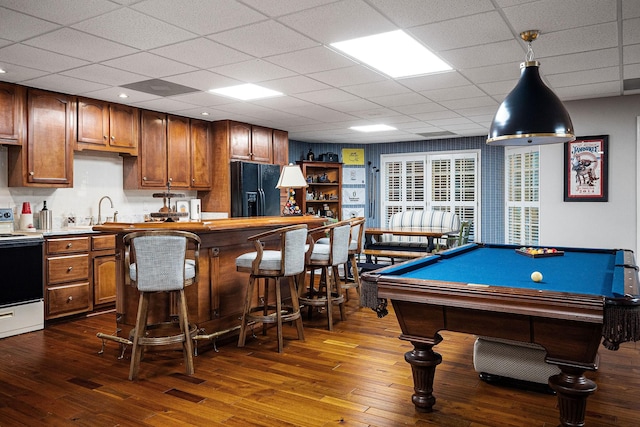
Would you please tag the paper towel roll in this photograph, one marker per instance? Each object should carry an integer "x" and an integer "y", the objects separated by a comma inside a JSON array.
[
  {"x": 194, "y": 209},
  {"x": 26, "y": 221}
]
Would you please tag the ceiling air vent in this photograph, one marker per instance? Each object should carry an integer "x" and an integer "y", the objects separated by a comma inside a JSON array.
[
  {"x": 159, "y": 87},
  {"x": 436, "y": 134},
  {"x": 631, "y": 84}
]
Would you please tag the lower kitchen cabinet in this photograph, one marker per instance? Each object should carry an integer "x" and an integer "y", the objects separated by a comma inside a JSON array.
[{"x": 80, "y": 274}]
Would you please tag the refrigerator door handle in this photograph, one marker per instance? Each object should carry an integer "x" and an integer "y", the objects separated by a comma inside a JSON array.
[{"x": 261, "y": 205}]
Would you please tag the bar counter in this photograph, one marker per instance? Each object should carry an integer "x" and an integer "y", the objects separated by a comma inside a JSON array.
[{"x": 215, "y": 302}]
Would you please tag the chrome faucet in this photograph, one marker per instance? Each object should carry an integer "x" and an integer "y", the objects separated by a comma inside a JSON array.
[{"x": 100, "y": 208}]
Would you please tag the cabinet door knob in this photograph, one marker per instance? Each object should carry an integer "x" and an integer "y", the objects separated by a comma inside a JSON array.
[
  {"x": 69, "y": 245},
  {"x": 69, "y": 268},
  {"x": 70, "y": 298},
  {"x": 113, "y": 138},
  {"x": 104, "y": 136},
  {"x": 32, "y": 173},
  {"x": 144, "y": 178}
]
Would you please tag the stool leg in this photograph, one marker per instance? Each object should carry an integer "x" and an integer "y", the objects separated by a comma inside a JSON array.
[
  {"x": 265, "y": 306},
  {"x": 356, "y": 274},
  {"x": 187, "y": 345},
  {"x": 141, "y": 326},
  {"x": 245, "y": 311},
  {"x": 279, "y": 315},
  {"x": 325, "y": 271},
  {"x": 338, "y": 291},
  {"x": 293, "y": 289}
]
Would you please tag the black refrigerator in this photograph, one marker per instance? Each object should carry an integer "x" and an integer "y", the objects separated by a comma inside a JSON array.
[{"x": 253, "y": 189}]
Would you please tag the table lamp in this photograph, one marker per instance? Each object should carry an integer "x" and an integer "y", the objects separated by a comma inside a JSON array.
[{"x": 290, "y": 178}]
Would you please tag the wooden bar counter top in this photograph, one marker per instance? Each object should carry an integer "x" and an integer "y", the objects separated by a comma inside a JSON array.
[{"x": 215, "y": 302}]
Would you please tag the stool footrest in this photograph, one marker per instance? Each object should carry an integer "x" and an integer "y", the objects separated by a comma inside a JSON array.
[
  {"x": 286, "y": 315},
  {"x": 176, "y": 338}
]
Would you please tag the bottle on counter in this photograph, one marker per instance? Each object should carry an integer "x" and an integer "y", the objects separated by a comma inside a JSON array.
[{"x": 46, "y": 218}]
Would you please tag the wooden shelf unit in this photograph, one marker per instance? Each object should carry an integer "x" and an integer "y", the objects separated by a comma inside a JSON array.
[{"x": 325, "y": 184}]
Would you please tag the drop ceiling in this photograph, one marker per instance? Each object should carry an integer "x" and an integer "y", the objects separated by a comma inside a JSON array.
[{"x": 101, "y": 48}]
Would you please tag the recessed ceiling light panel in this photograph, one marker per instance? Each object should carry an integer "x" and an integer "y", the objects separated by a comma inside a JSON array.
[
  {"x": 372, "y": 128},
  {"x": 246, "y": 92},
  {"x": 394, "y": 53}
]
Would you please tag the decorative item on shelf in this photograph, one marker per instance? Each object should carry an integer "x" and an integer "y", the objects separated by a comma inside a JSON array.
[
  {"x": 166, "y": 212},
  {"x": 329, "y": 157},
  {"x": 323, "y": 178},
  {"x": 310, "y": 155},
  {"x": 291, "y": 178},
  {"x": 531, "y": 114}
]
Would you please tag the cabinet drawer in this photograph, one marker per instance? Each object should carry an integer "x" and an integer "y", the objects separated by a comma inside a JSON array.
[
  {"x": 68, "y": 299},
  {"x": 68, "y": 245},
  {"x": 99, "y": 243},
  {"x": 68, "y": 268}
]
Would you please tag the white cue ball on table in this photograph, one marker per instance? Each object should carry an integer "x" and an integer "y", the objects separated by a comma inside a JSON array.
[{"x": 536, "y": 276}]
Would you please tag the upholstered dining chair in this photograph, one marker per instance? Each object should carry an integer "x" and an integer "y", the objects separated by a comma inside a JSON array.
[
  {"x": 327, "y": 258},
  {"x": 159, "y": 261},
  {"x": 286, "y": 262}
]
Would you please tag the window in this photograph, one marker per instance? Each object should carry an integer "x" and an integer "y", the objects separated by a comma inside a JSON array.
[
  {"x": 442, "y": 181},
  {"x": 522, "y": 196}
]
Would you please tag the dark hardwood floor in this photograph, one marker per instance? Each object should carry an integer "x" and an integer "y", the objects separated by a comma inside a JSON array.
[{"x": 354, "y": 376}]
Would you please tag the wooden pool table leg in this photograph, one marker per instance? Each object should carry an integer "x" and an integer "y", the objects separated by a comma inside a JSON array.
[
  {"x": 572, "y": 388},
  {"x": 423, "y": 361}
]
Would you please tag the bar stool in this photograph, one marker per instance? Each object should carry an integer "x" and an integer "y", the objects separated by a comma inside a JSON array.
[
  {"x": 157, "y": 262},
  {"x": 288, "y": 262},
  {"x": 327, "y": 257},
  {"x": 355, "y": 249}
]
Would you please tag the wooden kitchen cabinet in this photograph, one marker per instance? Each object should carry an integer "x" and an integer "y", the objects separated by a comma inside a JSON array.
[
  {"x": 103, "y": 126},
  {"x": 46, "y": 159},
  {"x": 172, "y": 149},
  {"x": 229, "y": 139},
  {"x": 67, "y": 285},
  {"x": 12, "y": 113},
  {"x": 250, "y": 143},
  {"x": 178, "y": 151},
  {"x": 103, "y": 262},
  {"x": 201, "y": 154}
]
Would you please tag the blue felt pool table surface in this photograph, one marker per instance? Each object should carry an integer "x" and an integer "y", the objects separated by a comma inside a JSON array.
[{"x": 577, "y": 271}]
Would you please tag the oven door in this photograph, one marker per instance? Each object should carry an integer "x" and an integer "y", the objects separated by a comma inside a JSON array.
[{"x": 21, "y": 270}]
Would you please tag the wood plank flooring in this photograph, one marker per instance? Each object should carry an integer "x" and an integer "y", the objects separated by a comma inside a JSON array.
[{"x": 353, "y": 376}]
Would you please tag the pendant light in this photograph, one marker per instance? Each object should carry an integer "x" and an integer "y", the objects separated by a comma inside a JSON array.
[{"x": 531, "y": 114}]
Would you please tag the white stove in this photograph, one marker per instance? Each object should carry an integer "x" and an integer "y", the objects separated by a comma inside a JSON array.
[{"x": 22, "y": 284}]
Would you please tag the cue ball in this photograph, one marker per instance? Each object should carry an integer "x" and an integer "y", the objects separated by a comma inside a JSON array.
[{"x": 536, "y": 276}]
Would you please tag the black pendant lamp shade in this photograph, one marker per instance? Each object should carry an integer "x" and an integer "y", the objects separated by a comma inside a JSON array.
[{"x": 531, "y": 114}]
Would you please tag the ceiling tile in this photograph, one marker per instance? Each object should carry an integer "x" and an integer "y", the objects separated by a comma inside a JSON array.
[
  {"x": 274, "y": 8},
  {"x": 77, "y": 44},
  {"x": 311, "y": 60},
  {"x": 17, "y": 74},
  {"x": 264, "y": 39},
  {"x": 202, "y": 53},
  {"x": 585, "y": 77},
  {"x": 381, "y": 88},
  {"x": 134, "y": 29},
  {"x": 631, "y": 31},
  {"x": 348, "y": 76},
  {"x": 112, "y": 94},
  {"x": 201, "y": 16},
  {"x": 552, "y": 15},
  {"x": 64, "y": 84},
  {"x": 484, "y": 55},
  {"x": 203, "y": 80},
  {"x": 253, "y": 71},
  {"x": 326, "y": 96},
  {"x": 295, "y": 84},
  {"x": 335, "y": 22},
  {"x": 63, "y": 12},
  {"x": 149, "y": 65},
  {"x": 631, "y": 54},
  {"x": 488, "y": 27},
  {"x": 39, "y": 59},
  {"x": 435, "y": 81},
  {"x": 102, "y": 74},
  {"x": 409, "y": 13},
  {"x": 18, "y": 27},
  {"x": 164, "y": 104}
]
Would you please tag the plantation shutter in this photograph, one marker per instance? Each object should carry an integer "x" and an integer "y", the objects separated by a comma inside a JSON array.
[
  {"x": 404, "y": 184},
  {"x": 522, "y": 194}
]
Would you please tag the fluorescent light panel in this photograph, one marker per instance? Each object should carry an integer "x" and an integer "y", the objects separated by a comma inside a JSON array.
[
  {"x": 394, "y": 53},
  {"x": 372, "y": 128},
  {"x": 246, "y": 92}
]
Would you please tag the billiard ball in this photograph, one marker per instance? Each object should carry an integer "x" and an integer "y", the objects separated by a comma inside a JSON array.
[{"x": 536, "y": 276}]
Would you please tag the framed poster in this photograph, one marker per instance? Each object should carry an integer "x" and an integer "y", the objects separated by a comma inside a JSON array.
[{"x": 585, "y": 169}]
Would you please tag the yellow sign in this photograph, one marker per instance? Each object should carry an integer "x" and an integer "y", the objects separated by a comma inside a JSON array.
[{"x": 353, "y": 156}]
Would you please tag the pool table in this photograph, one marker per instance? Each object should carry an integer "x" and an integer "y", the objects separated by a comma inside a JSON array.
[{"x": 484, "y": 289}]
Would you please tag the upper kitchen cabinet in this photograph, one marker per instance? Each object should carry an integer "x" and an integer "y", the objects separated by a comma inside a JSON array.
[
  {"x": 200, "y": 154},
  {"x": 107, "y": 127},
  {"x": 46, "y": 160},
  {"x": 250, "y": 143},
  {"x": 172, "y": 149},
  {"x": 12, "y": 98}
]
